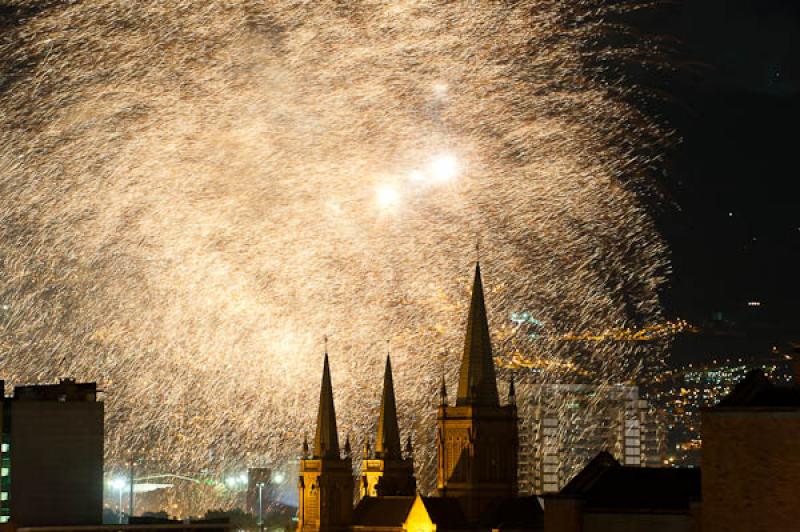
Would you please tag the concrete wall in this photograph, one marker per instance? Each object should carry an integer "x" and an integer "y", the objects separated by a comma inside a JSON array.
[
  {"x": 605, "y": 522},
  {"x": 56, "y": 463},
  {"x": 751, "y": 471},
  {"x": 563, "y": 515},
  {"x": 568, "y": 515}
]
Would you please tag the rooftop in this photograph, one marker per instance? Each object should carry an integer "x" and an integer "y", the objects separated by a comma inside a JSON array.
[
  {"x": 755, "y": 390},
  {"x": 605, "y": 484},
  {"x": 64, "y": 390},
  {"x": 382, "y": 511}
]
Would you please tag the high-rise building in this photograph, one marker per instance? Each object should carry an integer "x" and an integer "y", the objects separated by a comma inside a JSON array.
[
  {"x": 563, "y": 426},
  {"x": 52, "y": 455}
]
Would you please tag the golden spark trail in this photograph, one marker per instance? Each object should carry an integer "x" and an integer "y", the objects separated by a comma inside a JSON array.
[{"x": 193, "y": 192}]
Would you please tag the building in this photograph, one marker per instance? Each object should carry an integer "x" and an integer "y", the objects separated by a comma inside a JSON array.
[
  {"x": 683, "y": 392},
  {"x": 607, "y": 495},
  {"x": 477, "y": 439},
  {"x": 326, "y": 475},
  {"x": 142, "y": 524},
  {"x": 750, "y": 475},
  {"x": 52, "y": 455},
  {"x": 564, "y": 426},
  {"x": 751, "y": 458},
  {"x": 477, "y": 443},
  {"x": 386, "y": 471}
]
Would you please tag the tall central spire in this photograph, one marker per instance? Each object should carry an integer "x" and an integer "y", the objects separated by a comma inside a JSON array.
[
  {"x": 326, "y": 441},
  {"x": 387, "y": 445},
  {"x": 477, "y": 384}
]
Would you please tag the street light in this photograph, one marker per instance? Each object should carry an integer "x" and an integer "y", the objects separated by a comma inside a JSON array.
[
  {"x": 236, "y": 482},
  {"x": 119, "y": 485},
  {"x": 260, "y": 505}
]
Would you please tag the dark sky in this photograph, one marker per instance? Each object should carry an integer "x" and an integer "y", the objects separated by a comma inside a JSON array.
[{"x": 734, "y": 222}]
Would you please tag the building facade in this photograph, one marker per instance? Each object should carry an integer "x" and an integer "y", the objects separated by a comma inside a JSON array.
[
  {"x": 326, "y": 474},
  {"x": 751, "y": 458},
  {"x": 476, "y": 439},
  {"x": 387, "y": 470},
  {"x": 564, "y": 426},
  {"x": 52, "y": 455}
]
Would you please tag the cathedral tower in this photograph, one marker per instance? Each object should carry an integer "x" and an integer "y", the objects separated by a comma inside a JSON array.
[
  {"x": 386, "y": 472},
  {"x": 477, "y": 439},
  {"x": 326, "y": 478}
]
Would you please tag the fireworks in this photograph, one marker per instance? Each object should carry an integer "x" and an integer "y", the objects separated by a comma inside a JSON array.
[{"x": 193, "y": 193}]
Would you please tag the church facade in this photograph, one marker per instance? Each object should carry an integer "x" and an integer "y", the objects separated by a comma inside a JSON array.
[{"x": 477, "y": 446}]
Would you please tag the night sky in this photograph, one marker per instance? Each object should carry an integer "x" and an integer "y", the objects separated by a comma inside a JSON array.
[{"x": 731, "y": 215}]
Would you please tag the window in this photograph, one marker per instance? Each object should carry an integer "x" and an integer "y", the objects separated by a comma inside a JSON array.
[
  {"x": 3, "y": 471},
  {"x": 4, "y": 448}
]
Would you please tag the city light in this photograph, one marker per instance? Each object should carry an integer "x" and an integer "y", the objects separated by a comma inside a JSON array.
[
  {"x": 236, "y": 481},
  {"x": 118, "y": 483}
]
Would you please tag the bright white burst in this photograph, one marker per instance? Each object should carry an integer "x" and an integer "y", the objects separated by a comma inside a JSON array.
[
  {"x": 443, "y": 168},
  {"x": 387, "y": 196}
]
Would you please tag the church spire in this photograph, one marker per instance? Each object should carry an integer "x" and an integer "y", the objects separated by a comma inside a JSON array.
[
  {"x": 326, "y": 441},
  {"x": 477, "y": 383},
  {"x": 387, "y": 443}
]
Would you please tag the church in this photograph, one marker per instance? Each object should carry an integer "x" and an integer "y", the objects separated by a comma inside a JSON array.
[{"x": 477, "y": 448}]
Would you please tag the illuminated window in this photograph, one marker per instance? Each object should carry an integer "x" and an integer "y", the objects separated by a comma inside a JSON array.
[
  {"x": 3, "y": 495},
  {"x": 3, "y": 471},
  {"x": 4, "y": 518},
  {"x": 4, "y": 448}
]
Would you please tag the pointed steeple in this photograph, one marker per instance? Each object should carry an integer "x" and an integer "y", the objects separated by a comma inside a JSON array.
[
  {"x": 326, "y": 441},
  {"x": 367, "y": 451},
  {"x": 443, "y": 393},
  {"x": 477, "y": 384},
  {"x": 387, "y": 443}
]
